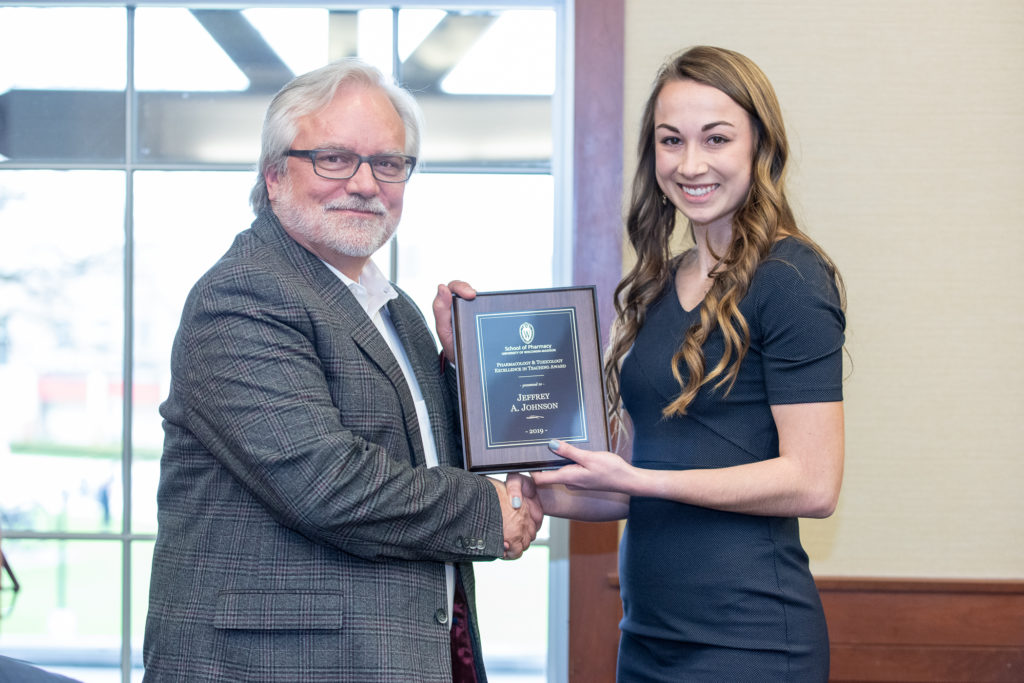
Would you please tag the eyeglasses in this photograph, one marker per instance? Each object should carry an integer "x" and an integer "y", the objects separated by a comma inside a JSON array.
[{"x": 340, "y": 164}]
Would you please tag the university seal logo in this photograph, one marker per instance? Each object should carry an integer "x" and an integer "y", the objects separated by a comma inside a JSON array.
[{"x": 526, "y": 333}]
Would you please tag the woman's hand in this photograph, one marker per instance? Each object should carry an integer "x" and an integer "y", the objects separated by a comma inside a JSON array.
[
  {"x": 803, "y": 481},
  {"x": 591, "y": 471}
]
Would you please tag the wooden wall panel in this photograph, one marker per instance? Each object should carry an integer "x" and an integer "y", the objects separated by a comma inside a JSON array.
[
  {"x": 922, "y": 630},
  {"x": 594, "y": 606}
]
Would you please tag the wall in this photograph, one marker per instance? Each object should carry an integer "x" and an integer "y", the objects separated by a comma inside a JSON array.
[{"x": 905, "y": 119}]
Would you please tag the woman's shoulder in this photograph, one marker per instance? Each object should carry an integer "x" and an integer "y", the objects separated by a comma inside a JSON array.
[
  {"x": 794, "y": 274},
  {"x": 791, "y": 259},
  {"x": 792, "y": 248}
]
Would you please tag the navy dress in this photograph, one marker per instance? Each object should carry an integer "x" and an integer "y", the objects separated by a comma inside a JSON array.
[{"x": 720, "y": 596}]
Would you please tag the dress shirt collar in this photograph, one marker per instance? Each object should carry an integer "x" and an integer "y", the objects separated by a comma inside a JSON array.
[{"x": 372, "y": 291}]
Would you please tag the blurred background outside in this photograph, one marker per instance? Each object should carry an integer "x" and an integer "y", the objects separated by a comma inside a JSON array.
[{"x": 128, "y": 138}]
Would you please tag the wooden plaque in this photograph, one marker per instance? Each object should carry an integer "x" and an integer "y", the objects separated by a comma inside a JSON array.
[{"x": 529, "y": 367}]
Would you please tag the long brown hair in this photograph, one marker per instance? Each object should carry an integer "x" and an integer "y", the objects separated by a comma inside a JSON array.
[{"x": 764, "y": 218}]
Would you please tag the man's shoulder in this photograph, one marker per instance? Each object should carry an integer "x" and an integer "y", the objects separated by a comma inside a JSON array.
[
  {"x": 261, "y": 248},
  {"x": 250, "y": 274}
]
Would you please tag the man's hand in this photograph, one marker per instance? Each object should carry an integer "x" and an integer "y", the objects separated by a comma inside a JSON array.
[
  {"x": 521, "y": 513},
  {"x": 521, "y": 488},
  {"x": 443, "y": 313}
]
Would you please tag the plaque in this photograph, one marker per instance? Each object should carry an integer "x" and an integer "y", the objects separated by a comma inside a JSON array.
[{"x": 529, "y": 368}]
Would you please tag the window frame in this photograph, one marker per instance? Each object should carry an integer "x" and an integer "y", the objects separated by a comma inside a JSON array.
[{"x": 560, "y": 168}]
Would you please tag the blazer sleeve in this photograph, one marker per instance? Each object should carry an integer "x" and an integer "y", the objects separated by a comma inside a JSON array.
[{"x": 269, "y": 382}]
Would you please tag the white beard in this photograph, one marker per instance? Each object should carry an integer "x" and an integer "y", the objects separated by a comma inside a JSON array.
[{"x": 355, "y": 236}]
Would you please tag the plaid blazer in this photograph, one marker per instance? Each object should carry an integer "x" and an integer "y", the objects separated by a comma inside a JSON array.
[{"x": 301, "y": 536}]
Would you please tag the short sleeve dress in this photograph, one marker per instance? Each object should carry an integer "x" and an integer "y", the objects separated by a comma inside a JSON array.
[{"x": 700, "y": 580}]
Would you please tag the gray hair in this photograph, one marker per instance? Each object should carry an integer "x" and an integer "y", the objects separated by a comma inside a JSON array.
[{"x": 312, "y": 92}]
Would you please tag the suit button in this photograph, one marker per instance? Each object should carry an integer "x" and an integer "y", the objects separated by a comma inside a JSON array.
[
  {"x": 459, "y": 543},
  {"x": 441, "y": 616},
  {"x": 479, "y": 544}
]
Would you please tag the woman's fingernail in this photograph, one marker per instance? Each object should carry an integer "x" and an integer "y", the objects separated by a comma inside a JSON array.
[
  {"x": 517, "y": 502},
  {"x": 554, "y": 444}
]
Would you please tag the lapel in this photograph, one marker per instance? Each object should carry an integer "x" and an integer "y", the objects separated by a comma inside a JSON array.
[
  {"x": 353, "y": 318},
  {"x": 421, "y": 350}
]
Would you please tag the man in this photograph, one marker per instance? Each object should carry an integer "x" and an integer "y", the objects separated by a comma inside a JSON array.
[{"x": 314, "y": 521}]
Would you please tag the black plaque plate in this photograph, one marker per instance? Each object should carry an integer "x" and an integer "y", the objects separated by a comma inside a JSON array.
[{"x": 529, "y": 371}]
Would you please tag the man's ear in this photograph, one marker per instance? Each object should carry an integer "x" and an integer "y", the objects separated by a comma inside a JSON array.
[{"x": 273, "y": 180}]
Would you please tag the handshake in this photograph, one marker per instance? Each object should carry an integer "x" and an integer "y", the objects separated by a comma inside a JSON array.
[{"x": 521, "y": 512}]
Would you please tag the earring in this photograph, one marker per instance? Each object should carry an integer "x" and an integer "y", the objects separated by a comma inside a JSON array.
[{"x": 664, "y": 199}]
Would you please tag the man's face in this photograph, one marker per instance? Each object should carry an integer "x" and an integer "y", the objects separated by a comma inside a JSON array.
[{"x": 342, "y": 221}]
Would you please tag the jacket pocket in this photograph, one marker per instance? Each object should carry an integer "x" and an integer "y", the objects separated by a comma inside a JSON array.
[{"x": 286, "y": 610}]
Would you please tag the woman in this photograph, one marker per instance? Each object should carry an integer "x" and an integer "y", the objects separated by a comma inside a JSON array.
[{"x": 727, "y": 360}]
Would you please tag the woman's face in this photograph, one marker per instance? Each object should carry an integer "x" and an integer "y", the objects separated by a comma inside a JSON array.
[{"x": 704, "y": 150}]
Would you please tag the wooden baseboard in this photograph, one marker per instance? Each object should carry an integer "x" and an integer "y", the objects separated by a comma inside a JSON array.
[
  {"x": 903, "y": 630},
  {"x": 934, "y": 631}
]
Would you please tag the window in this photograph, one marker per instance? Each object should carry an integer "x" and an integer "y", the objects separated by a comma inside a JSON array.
[{"x": 125, "y": 166}]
